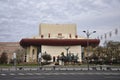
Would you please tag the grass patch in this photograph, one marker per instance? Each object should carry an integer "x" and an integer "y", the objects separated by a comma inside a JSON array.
[{"x": 1, "y": 65}]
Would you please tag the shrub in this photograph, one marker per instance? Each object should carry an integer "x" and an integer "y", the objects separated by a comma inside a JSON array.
[
  {"x": 3, "y": 58},
  {"x": 46, "y": 57}
]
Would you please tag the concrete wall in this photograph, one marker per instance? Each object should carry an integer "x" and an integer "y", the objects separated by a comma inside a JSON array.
[
  {"x": 57, "y": 28},
  {"x": 31, "y": 54}
]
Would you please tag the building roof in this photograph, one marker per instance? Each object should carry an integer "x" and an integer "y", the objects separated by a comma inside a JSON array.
[
  {"x": 59, "y": 42},
  {"x": 9, "y": 44},
  {"x": 9, "y": 47}
]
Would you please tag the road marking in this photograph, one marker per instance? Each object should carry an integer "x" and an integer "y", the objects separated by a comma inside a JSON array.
[
  {"x": 37, "y": 73},
  {"x": 29, "y": 73},
  {"x": 56, "y": 73},
  {"x": 80, "y": 73},
  {"x": 12, "y": 74},
  {"x": 46, "y": 74},
  {"x": 3, "y": 74},
  {"x": 21, "y": 74},
  {"x": 71, "y": 73},
  {"x": 64, "y": 73}
]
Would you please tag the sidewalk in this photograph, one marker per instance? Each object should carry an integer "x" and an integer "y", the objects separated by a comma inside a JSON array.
[{"x": 75, "y": 68}]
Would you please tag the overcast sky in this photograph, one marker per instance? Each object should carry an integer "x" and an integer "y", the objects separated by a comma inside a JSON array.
[{"x": 21, "y": 18}]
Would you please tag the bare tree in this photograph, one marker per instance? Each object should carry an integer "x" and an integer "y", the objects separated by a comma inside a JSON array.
[{"x": 20, "y": 55}]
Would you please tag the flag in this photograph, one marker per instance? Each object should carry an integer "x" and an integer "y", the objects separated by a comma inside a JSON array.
[
  {"x": 98, "y": 37},
  {"x": 116, "y": 31},
  {"x": 105, "y": 35},
  {"x": 101, "y": 37},
  {"x": 110, "y": 34}
]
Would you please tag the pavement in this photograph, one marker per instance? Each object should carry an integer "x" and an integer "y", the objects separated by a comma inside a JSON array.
[{"x": 59, "y": 73}]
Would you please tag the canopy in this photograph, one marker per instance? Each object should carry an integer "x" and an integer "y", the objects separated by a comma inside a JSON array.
[{"x": 59, "y": 42}]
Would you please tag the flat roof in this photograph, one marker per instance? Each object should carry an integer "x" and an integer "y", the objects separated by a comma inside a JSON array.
[{"x": 59, "y": 42}]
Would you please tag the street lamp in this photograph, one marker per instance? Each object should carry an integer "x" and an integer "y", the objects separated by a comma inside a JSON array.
[
  {"x": 88, "y": 35},
  {"x": 67, "y": 55},
  {"x": 67, "y": 49},
  {"x": 39, "y": 58}
]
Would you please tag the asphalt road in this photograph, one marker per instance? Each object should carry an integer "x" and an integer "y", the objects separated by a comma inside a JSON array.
[{"x": 59, "y": 75}]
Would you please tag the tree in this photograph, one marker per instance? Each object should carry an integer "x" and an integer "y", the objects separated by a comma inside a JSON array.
[
  {"x": 69, "y": 57},
  {"x": 62, "y": 58},
  {"x": 4, "y": 58},
  {"x": 46, "y": 57},
  {"x": 113, "y": 51},
  {"x": 20, "y": 55},
  {"x": 108, "y": 54}
]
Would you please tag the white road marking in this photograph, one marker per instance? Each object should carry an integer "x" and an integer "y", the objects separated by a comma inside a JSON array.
[
  {"x": 12, "y": 74},
  {"x": 37, "y": 73},
  {"x": 29, "y": 73},
  {"x": 71, "y": 73},
  {"x": 3, "y": 74},
  {"x": 56, "y": 73},
  {"x": 21, "y": 74}
]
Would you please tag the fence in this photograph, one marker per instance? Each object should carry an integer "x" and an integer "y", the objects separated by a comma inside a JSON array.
[{"x": 37, "y": 68}]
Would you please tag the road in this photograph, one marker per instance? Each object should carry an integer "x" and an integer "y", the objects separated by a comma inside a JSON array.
[{"x": 60, "y": 75}]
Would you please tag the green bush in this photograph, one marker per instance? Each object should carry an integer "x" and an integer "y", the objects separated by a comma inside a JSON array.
[
  {"x": 3, "y": 58},
  {"x": 46, "y": 57}
]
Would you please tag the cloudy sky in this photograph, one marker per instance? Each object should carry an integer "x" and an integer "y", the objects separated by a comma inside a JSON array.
[{"x": 21, "y": 18}]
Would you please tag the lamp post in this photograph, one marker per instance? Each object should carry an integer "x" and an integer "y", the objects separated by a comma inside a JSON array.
[
  {"x": 39, "y": 58},
  {"x": 67, "y": 55},
  {"x": 67, "y": 49},
  {"x": 88, "y": 35}
]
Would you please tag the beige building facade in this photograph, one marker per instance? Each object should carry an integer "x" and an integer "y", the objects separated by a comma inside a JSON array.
[
  {"x": 55, "y": 39},
  {"x": 54, "y": 31}
]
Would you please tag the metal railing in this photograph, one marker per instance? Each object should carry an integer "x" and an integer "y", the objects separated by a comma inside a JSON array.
[{"x": 37, "y": 68}]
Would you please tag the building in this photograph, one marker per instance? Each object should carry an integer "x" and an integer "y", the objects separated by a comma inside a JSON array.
[
  {"x": 9, "y": 48},
  {"x": 55, "y": 39}
]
